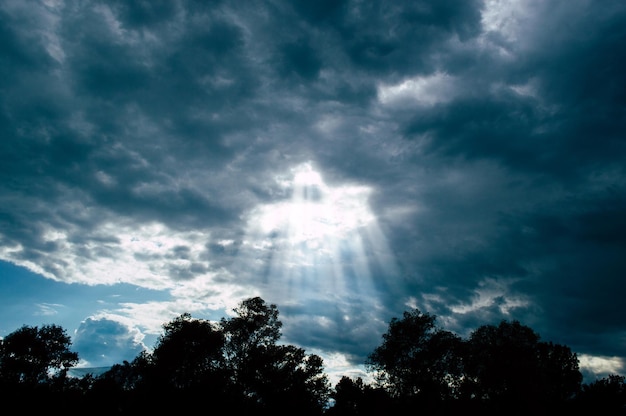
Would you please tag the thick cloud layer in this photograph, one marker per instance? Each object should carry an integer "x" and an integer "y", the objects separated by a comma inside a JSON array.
[{"x": 346, "y": 160}]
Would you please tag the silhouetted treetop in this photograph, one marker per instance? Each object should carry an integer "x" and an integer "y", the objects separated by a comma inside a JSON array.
[
  {"x": 32, "y": 355},
  {"x": 188, "y": 351},
  {"x": 501, "y": 368},
  {"x": 235, "y": 361},
  {"x": 508, "y": 363},
  {"x": 604, "y": 396},
  {"x": 255, "y": 324},
  {"x": 239, "y": 364},
  {"x": 418, "y": 358}
]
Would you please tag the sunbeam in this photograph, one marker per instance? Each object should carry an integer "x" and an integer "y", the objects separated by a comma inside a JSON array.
[{"x": 322, "y": 240}]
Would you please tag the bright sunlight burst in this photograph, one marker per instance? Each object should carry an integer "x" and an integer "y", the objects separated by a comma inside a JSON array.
[{"x": 322, "y": 239}]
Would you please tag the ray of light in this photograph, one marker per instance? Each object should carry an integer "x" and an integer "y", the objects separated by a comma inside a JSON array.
[{"x": 321, "y": 241}]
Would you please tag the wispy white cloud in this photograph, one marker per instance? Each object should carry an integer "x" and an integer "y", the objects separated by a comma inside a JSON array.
[{"x": 48, "y": 309}]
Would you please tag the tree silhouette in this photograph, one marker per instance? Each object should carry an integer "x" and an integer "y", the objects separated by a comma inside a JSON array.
[
  {"x": 508, "y": 367},
  {"x": 560, "y": 377},
  {"x": 284, "y": 378},
  {"x": 239, "y": 364},
  {"x": 356, "y": 398},
  {"x": 33, "y": 369},
  {"x": 255, "y": 325},
  {"x": 418, "y": 360},
  {"x": 348, "y": 396},
  {"x": 604, "y": 396},
  {"x": 267, "y": 376},
  {"x": 32, "y": 355},
  {"x": 189, "y": 353},
  {"x": 504, "y": 368},
  {"x": 236, "y": 363}
]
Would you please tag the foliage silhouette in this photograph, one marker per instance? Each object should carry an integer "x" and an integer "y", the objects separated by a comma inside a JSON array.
[
  {"x": 418, "y": 361},
  {"x": 508, "y": 367},
  {"x": 33, "y": 367},
  {"x": 33, "y": 355},
  {"x": 235, "y": 362},
  {"x": 499, "y": 369},
  {"x": 354, "y": 397},
  {"x": 238, "y": 364},
  {"x": 604, "y": 396},
  {"x": 189, "y": 353}
]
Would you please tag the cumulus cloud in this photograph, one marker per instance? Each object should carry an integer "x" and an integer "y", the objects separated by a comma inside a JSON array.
[
  {"x": 103, "y": 342},
  {"x": 595, "y": 367}
]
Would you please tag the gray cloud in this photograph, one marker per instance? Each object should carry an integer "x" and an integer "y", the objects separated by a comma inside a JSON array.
[{"x": 488, "y": 134}]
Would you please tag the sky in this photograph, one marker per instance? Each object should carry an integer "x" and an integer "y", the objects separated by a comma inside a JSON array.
[{"x": 345, "y": 160}]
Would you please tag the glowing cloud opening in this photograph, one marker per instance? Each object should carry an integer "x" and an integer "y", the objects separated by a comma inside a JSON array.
[{"x": 323, "y": 239}]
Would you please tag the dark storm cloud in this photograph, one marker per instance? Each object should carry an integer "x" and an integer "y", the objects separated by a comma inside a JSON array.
[
  {"x": 493, "y": 149},
  {"x": 390, "y": 38},
  {"x": 569, "y": 120},
  {"x": 301, "y": 59},
  {"x": 551, "y": 217},
  {"x": 145, "y": 14}
]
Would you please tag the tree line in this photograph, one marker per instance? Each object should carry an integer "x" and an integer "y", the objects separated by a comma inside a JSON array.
[{"x": 238, "y": 365}]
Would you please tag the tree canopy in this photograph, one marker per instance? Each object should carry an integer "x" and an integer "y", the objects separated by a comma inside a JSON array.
[
  {"x": 418, "y": 359},
  {"x": 235, "y": 361},
  {"x": 510, "y": 367},
  {"x": 238, "y": 362},
  {"x": 33, "y": 355}
]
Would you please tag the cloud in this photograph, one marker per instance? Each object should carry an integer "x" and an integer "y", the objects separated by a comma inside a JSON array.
[
  {"x": 47, "y": 309},
  {"x": 104, "y": 342},
  {"x": 149, "y": 144},
  {"x": 594, "y": 367},
  {"x": 428, "y": 91}
]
